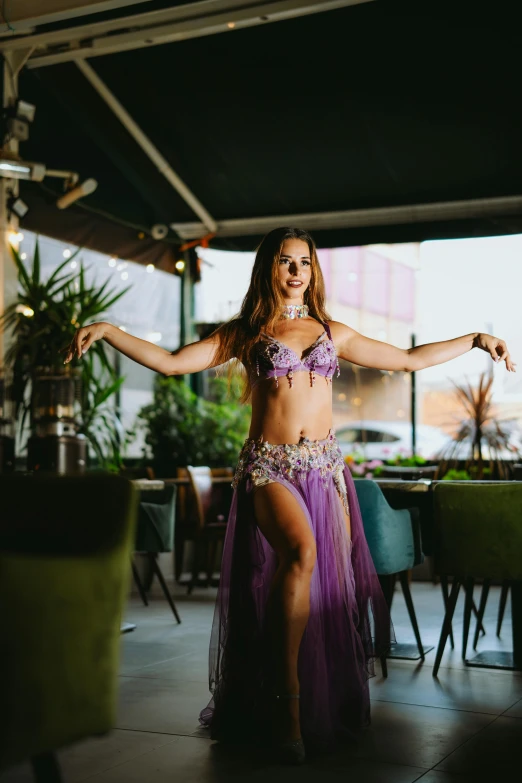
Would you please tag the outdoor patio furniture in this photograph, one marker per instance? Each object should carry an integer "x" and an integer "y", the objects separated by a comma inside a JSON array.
[
  {"x": 187, "y": 514},
  {"x": 210, "y": 526},
  {"x": 478, "y": 535},
  {"x": 65, "y": 548},
  {"x": 394, "y": 540},
  {"x": 155, "y": 534}
]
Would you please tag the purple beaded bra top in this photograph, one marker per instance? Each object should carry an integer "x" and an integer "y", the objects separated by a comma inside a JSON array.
[{"x": 273, "y": 359}]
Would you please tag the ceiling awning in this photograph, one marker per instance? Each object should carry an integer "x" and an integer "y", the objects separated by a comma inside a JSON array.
[{"x": 360, "y": 122}]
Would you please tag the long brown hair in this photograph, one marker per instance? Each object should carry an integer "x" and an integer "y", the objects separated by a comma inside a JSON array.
[{"x": 263, "y": 303}]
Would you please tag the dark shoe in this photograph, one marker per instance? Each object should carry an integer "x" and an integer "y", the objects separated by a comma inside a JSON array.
[{"x": 290, "y": 751}]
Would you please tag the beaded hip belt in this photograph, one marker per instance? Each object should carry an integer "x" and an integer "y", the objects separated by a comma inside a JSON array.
[{"x": 265, "y": 462}]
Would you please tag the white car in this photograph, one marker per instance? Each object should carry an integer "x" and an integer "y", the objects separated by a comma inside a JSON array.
[{"x": 386, "y": 439}]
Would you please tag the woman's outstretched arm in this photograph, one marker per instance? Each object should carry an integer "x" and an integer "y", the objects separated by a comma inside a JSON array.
[
  {"x": 356, "y": 348},
  {"x": 191, "y": 358}
]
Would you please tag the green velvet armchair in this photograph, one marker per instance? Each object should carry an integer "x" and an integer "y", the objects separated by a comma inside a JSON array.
[{"x": 65, "y": 550}]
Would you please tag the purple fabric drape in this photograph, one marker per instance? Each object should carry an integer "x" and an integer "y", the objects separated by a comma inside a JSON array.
[{"x": 348, "y": 626}]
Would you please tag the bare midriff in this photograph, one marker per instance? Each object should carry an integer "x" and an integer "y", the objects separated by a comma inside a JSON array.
[{"x": 284, "y": 414}]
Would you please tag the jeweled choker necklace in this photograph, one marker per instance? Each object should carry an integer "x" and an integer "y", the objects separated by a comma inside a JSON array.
[{"x": 295, "y": 311}]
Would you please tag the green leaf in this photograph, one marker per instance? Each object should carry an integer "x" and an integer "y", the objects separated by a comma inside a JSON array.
[
  {"x": 52, "y": 279},
  {"x": 36, "y": 264},
  {"x": 23, "y": 277}
]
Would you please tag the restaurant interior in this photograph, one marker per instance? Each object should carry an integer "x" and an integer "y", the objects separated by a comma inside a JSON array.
[{"x": 150, "y": 134}]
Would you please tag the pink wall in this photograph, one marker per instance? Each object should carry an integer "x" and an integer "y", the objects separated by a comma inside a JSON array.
[
  {"x": 325, "y": 260},
  {"x": 376, "y": 283},
  {"x": 349, "y": 263},
  {"x": 368, "y": 281},
  {"x": 403, "y": 297}
]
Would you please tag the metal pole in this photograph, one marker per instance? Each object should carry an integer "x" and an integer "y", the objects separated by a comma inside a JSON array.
[
  {"x": 413, "y": 407},
  {"x": 147, "y": 146}
]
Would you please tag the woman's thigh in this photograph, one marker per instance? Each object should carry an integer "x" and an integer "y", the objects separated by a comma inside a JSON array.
[{"x": 283, "y": 522}]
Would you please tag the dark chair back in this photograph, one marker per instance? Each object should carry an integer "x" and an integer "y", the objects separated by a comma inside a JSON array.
[
  {"x": 65, "y": 549},
  {"x": 478, "y": 530},
  {"x": 156, "y": 520}
]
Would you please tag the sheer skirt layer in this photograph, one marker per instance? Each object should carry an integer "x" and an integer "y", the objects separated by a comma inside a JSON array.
[{"x": 348, "y": 626}]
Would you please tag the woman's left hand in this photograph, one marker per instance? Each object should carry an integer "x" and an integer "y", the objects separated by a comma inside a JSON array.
[{"x": 496, "y": 348}]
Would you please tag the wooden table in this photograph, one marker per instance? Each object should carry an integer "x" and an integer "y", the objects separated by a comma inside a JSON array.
[
  {"x": 184, "y": 480},
  {"x": 159, "y": 484}
]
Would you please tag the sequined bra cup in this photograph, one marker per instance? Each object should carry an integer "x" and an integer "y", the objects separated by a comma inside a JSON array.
[{"x": 273, "y": 359}]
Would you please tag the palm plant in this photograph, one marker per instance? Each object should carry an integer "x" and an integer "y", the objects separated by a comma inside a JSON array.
[
  {"x": 483, "y": 436},
  {"x": 42, "y": 322}
]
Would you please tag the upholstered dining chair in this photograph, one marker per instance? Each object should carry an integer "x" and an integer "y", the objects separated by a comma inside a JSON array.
[
  {"x": 154, "y": 535},
  {"x": 478, "y": 535},
  {"x": 210, "y": 527},
  {"x": 393, "y": 538},
  {"x": 65, "y": 549}
]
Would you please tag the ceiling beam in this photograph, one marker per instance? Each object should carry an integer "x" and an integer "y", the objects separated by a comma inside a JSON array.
[
  {"x": 192, "y": 20},
  {"x": 24, "y": 15},
  {"x": 357, "y": 218},
  {"x": 147, "y": 146}
]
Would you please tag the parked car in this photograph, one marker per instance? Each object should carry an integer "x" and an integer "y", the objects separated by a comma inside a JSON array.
[{"x": 385, "y": 439}]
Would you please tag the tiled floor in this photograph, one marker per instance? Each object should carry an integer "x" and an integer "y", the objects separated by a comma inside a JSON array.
[{"x": 464, "y": 727}]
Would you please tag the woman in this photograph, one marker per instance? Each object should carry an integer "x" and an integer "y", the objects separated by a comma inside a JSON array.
[{"x": 300, "y": 615}]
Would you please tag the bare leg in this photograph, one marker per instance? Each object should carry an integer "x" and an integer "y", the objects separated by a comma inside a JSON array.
[{"x": 284, "y": 525}]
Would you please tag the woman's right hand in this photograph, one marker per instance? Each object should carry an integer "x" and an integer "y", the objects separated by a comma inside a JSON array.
[{"x": 84, "y": 338}]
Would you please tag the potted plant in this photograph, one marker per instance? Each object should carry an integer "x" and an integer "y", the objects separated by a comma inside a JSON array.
[
  {"x": 42, "y": 320},
  {"x": 360, "y": 467},
  {"x": 184, "y": 429},
  {"x": 481, "y": 440}
]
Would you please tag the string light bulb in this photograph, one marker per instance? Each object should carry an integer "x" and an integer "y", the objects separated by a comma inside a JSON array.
[
  {"x": 67, "y": 253},
  {"x": 112, "y": 262},
  {"x": 24, "y": 310},
  {"x": 150, "y": 268},
  {"x": 180, "y": 265},
  {"x": 231, "y": 25}
]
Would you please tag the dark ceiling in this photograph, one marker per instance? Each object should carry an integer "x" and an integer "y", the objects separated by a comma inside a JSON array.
[{"x": 368, "y": 106}]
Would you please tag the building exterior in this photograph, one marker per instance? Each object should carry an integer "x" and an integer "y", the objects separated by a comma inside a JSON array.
[{"x": 374, "y": 290}]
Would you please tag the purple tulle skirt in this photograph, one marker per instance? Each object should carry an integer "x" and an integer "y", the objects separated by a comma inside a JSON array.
[{"x": 349, "y": 622}]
